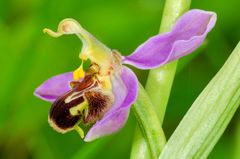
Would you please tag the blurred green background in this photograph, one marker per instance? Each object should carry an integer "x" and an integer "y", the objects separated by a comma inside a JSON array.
[{"x": 28, "y": 57}]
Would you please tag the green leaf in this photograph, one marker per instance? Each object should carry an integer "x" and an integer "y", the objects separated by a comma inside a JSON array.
[
  {"x": 209, "y": 115},
  {"x": 149, "y": 123},
  {"x": 139, "y": 146}
]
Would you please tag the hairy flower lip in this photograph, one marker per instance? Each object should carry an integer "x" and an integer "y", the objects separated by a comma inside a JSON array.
[
  {"x": 56, "y": 127},
  {"x": 60, "y": 117},
  {"x": 99, "y": 104},
  {"x": 88, "y": 90},
  {"x": 187, "y": 34}
]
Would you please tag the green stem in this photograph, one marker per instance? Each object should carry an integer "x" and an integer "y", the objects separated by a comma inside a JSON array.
[
  {"x": 160, "y": 80},
  {"x": 159, "y": 86}
]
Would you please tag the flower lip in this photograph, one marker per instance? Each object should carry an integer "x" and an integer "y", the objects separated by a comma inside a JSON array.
[
  {"x": 86, "y": 102},
  {"x": 60, "y": 117},
  {"x": 99, "y": 103}
]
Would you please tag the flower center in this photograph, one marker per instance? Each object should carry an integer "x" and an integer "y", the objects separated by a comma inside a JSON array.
[{"x": 85, "y": 103}]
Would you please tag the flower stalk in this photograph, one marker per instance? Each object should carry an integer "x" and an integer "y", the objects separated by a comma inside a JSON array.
[{"x": 161, "y": 78}]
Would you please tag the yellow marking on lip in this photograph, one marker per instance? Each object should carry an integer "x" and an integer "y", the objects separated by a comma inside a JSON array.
[{"x": 79, "y": 108}]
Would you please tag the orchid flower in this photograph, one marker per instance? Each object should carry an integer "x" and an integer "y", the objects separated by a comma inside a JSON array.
[{"x": 102, "y": 95}]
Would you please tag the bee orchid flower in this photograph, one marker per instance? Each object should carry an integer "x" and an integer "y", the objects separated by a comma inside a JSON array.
[{"x": 102, "y": 95}]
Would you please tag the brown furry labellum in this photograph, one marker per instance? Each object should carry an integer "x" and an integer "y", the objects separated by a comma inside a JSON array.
[{"x": 87, "y": 91}]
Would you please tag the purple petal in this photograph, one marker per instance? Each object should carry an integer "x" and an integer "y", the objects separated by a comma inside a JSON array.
[
  {"x": 125, "y": 92},
  {"x": 187, "y": 34},
  {"x": 51, "y": 89}
]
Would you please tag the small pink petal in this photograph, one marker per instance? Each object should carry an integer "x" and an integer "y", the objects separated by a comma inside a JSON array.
[
  {"x": 54, "y": 87},
  {"x": 187, "y": 35}
]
